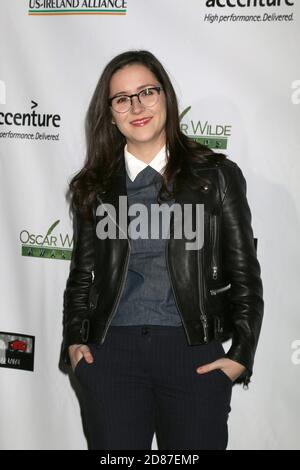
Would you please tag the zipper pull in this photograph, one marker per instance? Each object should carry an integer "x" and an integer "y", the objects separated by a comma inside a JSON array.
[
  {"x": 246, "y": 382},
  {"x": 215, "y": 272},
  {"x": 205, "y": 328},
  {"x": 93, "y": 275}
]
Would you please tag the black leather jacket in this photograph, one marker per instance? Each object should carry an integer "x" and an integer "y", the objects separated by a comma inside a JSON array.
[{"x": 218, "y": 289}]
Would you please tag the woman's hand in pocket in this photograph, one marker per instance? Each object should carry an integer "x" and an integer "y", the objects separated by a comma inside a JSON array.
[
  {"x": 231, "y": 368},
  {"x": 77, "y": 351}
]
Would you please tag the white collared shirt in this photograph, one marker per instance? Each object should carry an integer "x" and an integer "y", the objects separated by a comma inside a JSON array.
[{"x": 134, "y": 166}]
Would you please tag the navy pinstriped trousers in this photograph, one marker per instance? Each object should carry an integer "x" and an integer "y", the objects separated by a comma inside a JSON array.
[{"x": 143, "y": 381}]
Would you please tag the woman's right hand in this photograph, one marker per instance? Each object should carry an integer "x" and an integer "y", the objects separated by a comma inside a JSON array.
[{"x": 77, "y": 351}]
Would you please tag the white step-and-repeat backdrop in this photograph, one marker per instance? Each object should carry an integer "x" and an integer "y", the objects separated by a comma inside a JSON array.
[{"x": 235, "y": 65}]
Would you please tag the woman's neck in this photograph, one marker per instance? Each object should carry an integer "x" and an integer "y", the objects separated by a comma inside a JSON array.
[{"x": 145, "y": 151}]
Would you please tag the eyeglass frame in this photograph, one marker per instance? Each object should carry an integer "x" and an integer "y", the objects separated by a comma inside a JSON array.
[{"x": 158, "y": 88}]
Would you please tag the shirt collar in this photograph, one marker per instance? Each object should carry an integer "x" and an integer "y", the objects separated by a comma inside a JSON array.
[{"x": 134, "y": 166}]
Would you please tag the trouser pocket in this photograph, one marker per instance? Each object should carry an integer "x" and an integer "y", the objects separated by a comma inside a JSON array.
[
  {"x": 225, "y": 376},
  {"x": 78, "y": 365}
]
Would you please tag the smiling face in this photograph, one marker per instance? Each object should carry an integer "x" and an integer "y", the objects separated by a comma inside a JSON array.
[{"x": 141, "y": 126}]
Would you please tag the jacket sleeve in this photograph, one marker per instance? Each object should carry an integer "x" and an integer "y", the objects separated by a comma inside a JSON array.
[
  {"x": 75, "y": 301},
  {"x": 243, "y": 271}
]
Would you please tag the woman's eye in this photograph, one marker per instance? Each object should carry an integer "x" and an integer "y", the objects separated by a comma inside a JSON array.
[
  {"x": 121, "y": 99},
  {"x": 147, "y": 92}
]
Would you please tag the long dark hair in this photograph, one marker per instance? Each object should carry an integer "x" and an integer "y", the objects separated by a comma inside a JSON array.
[{"x": 105, "y": 141}]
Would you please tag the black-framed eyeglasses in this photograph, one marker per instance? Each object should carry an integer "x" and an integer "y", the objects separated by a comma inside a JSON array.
[{"x": 147, "y": 97}]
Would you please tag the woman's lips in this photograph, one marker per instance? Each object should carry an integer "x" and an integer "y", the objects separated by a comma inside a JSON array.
[{"x": 140, "y": 122}]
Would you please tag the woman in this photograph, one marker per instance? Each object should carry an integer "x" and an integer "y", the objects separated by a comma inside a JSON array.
[{"x": 145, "y": 316}]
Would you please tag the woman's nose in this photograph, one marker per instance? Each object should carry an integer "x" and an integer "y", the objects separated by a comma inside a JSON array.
[{"x": 136, "y": 106}]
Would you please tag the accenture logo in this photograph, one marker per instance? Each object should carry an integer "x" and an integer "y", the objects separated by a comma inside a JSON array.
[
  {"x": 248, "y": 3},
  {"x": 242, "y": 12},
  {"x": 27, "y": 125}
]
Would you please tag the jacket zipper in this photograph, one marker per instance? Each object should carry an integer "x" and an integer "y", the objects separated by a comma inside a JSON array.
[
  {"x": 200, "y": 290},
  {"x": 170, "y": 277},
  {"x": 124, "y": 274},
  {"x": 93, "y": 300},
  {"x": 221, "y": 289},
  {"x": 214, "y": 247}
]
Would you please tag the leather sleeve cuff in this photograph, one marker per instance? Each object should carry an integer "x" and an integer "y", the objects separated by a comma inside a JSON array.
[
  {"x": 242, "y": 356},
  {"x": 73, "y": 337}
]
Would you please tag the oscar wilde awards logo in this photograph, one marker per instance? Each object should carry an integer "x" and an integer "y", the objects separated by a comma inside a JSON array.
[
  {"x": 214, "y": 136},
  {"x": 249, "y": 11},
  {"x": 48, "y": 245}
]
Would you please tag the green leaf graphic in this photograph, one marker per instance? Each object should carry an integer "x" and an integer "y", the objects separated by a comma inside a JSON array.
[
  {"x": 52, "y": 227},
  {"x": 184, "y": 112}
]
